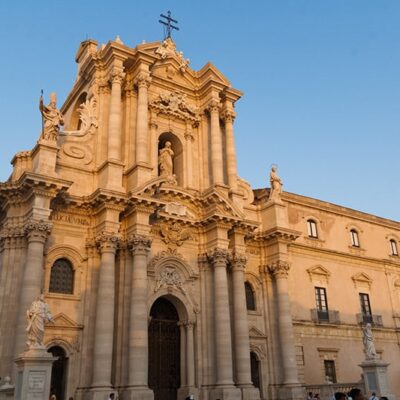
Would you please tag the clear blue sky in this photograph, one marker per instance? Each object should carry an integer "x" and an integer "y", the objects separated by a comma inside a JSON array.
[{"x": 320, "y": 80}]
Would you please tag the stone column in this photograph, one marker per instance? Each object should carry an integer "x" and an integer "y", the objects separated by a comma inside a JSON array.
[
  {"x": 114, "y": 118},
  {"x": 216, "y": 144},
  {"x": 240, "y": 323},
  {"x": 104, "y": 325},
  {"x": 189, "y": 354},
  {"x": 189, "y": 156},
  {"x": 183, "y": 357},
  {"x": 154, "y": 145},
  {"x": 138, "y": 333},
  {"x": 280, "y": 270},
  {"x": 229, "y": 117},
  {"x": 222, "y": 323},
  {"x": 32, "y": 281},
  {"x": 142, "y": 148}
]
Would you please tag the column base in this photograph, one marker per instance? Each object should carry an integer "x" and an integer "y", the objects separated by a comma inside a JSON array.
[
  {"x": 187, "y": 391},
  {"x": 292, "y": 392},
  {"x": 138, "y": 393},
  {"x": 250, "y": 393},
  {"x": 100, "y": 393},
  {"x": 225, "y": 393}
]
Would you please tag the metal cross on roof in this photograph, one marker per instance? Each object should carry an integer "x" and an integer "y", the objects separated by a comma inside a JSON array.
[{"x": 168, "y": 26}]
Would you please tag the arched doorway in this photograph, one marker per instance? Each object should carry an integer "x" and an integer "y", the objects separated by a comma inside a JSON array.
[
  {"x": 164, "y": 350},
  {"x": 58, "y": 372}
]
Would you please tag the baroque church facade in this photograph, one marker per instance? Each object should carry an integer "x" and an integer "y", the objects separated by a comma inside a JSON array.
[{"x": 165, "y": 272}]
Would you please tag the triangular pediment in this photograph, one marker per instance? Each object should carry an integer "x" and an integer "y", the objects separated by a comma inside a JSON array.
[
  {"x": 318, "y": 272},
  {"x": 63, "y": 321},
  {"x": 210, "y": 72},
  {"x": 169, "y": 71},
  {"x": 362, "y": 280},
  {"x": 256, "y": 333}
]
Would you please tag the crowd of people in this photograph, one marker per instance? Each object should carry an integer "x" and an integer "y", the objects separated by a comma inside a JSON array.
[{"x": 354, "y": 394}]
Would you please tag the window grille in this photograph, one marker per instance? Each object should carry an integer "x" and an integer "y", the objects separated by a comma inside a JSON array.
[{"x": 62, "y": 277}]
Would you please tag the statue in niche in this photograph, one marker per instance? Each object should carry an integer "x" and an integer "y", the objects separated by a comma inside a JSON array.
[
  {"x": 52, "y": 118},
  {"x": 368, "y": 341},
  {"x": 276, "y": 184},
  {"x": 165, "y": 163},
  {"x": 37, "y": 315}
]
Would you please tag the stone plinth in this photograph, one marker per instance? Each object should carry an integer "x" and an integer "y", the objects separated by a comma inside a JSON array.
[
  {"x": 185, "y": 392},
  {"x": 225, "y": 393},
  {"x": 33, "y": 374},
  {"x": 44, "y": 157},
  {"x": 376, "y": 377}
]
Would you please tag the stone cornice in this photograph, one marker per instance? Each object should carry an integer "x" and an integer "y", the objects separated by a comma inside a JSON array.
[{"x": 278, "y": 234}]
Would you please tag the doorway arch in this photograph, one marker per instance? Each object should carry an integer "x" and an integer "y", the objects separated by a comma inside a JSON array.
[
  {"x": 58, "y": 372},
  {"x": 164, "y": 350}
]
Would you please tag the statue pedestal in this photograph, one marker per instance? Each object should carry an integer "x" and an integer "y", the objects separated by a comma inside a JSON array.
[
  {"x": 33, "y": 374},
  {"x": 375, "y": 377},
  {"x": 44, "y": 157}
]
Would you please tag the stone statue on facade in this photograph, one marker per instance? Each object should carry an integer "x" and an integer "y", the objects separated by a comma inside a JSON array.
[
  {"x": 165, "y": 163},
  {"x": 37, "y": 315},
  {"x": 276, "y": 184},
  {"x": 51, "y": 117},
  {"x": 368, "y": 341}
]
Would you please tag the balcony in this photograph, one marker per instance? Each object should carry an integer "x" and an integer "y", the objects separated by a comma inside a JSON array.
[
  {"x": 373, "y": 319},
  {"x": 325, "y": 316}
]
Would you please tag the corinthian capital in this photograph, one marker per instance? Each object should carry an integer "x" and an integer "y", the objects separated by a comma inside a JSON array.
[
  {"x": 117, "y": 75},
  {"x": 238, "y": 261},
  {"x": 218, "y": 257},
  {"x": 228, "y": 115},
  {"x": 279, "y": 269},
  {"x": 143, "y": 80},
  {"x": 139, "y": 244},
  {"x": 108, "y": 242},
  {"x": 213, "y": 106},
  {"x": 37, "y": 231}
]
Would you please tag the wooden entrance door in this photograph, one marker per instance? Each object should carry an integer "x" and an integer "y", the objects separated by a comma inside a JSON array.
[{"x": 164, "y": 350}]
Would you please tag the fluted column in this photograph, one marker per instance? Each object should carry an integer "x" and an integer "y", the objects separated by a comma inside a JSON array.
[
  {"x": 142, "y": 148},
  {"x": 32, "y": 281},
  {"x": 240, "y": 323},
  {"x": 222, "y": 323},
  {"x": 280, "y": 270},
  {"x": 216, "y": 143},
  {"x": 154, "y": 145},
  {"x": 189, "y": 354},
  {"x": 115, "y": 118},
  {"x": 189, "y": 156},
  {"x": 231, "y": 165},
  {"x": 104, "y": 325},
  {"x": 138, "y": 333}
]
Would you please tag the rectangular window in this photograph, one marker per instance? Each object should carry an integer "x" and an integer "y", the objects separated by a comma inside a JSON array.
[
  {"x": 354, "y": 238},
  {"x": 365, "y": 308},
  {"x": 393, "y": 247},
  {"x": 312, "y": 228},
  {"x": 322, "y": 304},
  {"x": 330, "y": 371}
]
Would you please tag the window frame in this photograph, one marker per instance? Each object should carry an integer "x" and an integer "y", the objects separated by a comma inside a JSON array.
[
  {"x": 248, "y": 288},
  {"x": 393, "y": 247},
  {"x": 365, "y": 307},
  {"x": 54, "y": 284},
  {"x": 354, "y": 238},
  {"x": 330, "y": 365},
  {"x": 312, "y": 228}
]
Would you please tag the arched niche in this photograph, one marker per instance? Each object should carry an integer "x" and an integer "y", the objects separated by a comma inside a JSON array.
[
  {"x": 75, "y": 122},
  {"x": 177, "y": 148}
]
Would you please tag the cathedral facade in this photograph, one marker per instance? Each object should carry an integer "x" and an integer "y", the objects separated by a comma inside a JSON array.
[{"x": 166, "y": 273}]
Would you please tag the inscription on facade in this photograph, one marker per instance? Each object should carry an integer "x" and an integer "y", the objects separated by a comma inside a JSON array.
[
  {"x": 70, "y": 219},
  {"x": 36, "y": 381}
]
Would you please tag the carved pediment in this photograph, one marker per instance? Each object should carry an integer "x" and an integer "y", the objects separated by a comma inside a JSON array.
[
  {"x": 361, "y": 280},
  {"x": 62, "y": 321},
  {"x": 255, "y": 333},
  {"x": 319, "y": 274}
]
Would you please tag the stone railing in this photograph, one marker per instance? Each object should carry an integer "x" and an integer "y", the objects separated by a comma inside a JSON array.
[
  {"x": 327, "y": 390},
  {"x": 373, "y": 319},
  {"x": 325, "y": 317}
]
